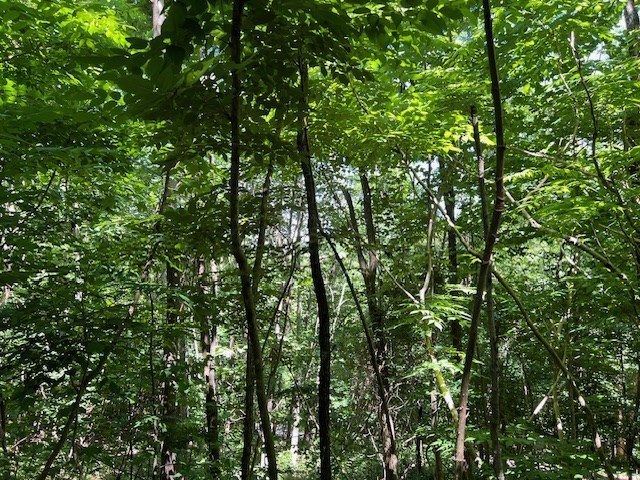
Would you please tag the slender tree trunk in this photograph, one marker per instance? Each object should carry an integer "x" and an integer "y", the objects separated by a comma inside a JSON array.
[
  {"x": 556, "y": 411},
  {"x": 620, "y": 447},
  {"x": 368, "y": 270},
  {"x": 4, "y": 298},
  {"x": 295, "y": 430},
  {"x": 236, "y": 243},
  {"x": 365, "y": 326},
  {"x": 3, "y": 425},
  {"x": 590, "y": 417},
  {"x": 631, "y": 127},
  {"x": 419, "y": 438},
  {"x": 171, "y": 353},
  {"x": 369, "y": 274},
  {"x": 485, "y": 266},
  {"x": 494, "y": 373},
  {"x": 324, "y": 330},
  {"x": 632, "y": 429},
  {"x": 248, "y": 420},
  {"x": 631, "y": 137},
  {"x": 631, "y": 117},
  {"x": 247, "y": 461},
  {"x": 573, "y": 417},
  {"x": 494, "y": 367},
  {"x": 437, "y": 469},
  {"x": 153, "y": 385},
  {"x": 157, "y": 19},
  {"x": 208, "y": 337},
  {"x": 452, "y": 250}
]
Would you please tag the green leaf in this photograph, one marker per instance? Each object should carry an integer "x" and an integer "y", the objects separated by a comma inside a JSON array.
[
  {"x": 135, "y": 84},
  {"x": 138, "y": 43}
]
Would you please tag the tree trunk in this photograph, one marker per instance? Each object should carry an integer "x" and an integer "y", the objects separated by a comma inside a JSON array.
[
  {"x": 208, "y": 336},
  {"x": 556, "y": 412},
  {"x": 236, "y": 243},
  {"x": 572, "y": 384},
  {"x": 452, "y": 250},
  {"x": 631, "y": 125},
  {"x": 632, "y": 429},
  {"x": 494, "y": 373},
  {"x": 437, "y": 469},
  {"x": 419, "y": 438},
  {"x": 3, "y": 425},
  {"x": 324, "y": 329},
  {"x": 368, "y": 270},
  {"x": 485, "y": 266},
  {"x": 171, "y": 353},
  {"x": 573, "y": 417},
  {"x": 295, "y": 430},
  {"x": 494, "y": 366},
  {"x": 248, "y": 420},
  {"x": 632, "y": 22},
  {"x": 369, "y": 274},
  {"x": 247, "y": 462}
]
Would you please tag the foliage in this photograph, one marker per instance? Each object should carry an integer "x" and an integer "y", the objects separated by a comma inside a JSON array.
[{"x": 114, "y": 170}]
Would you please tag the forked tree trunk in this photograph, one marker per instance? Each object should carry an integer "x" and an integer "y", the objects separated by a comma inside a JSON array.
[
  {"x": 248, "y": 296},
  {"x": 382, "y": 392},
  {"x": 491, "y": 238},
  {"x": 368, "y": 269}
]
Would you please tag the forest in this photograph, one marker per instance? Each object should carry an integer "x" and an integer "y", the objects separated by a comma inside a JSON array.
[{"x": 319, "y": 239}]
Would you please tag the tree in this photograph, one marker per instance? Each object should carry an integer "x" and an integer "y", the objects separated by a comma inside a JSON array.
[{"x": 163, "y": 180}]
